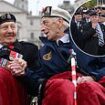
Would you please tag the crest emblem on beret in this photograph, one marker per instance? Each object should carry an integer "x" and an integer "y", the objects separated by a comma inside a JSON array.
[
  {"x": 46, "y": 11},
  {"x": 3, "y": 17},
  {"x": 8, "y": 16},
  {"x": 47, "y": 56}
]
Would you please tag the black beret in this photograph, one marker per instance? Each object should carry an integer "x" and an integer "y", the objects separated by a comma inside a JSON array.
[
  {"x": 98, "y": 7},
  {"x": 103, "y": 7},
  {"x": 92, "y": 13},
  {"x": 78, "y": 13},
  {"x": 7, "y": 17}
]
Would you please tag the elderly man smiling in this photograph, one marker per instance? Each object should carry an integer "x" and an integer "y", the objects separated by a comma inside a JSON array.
[{"x": 15, "y": 57}]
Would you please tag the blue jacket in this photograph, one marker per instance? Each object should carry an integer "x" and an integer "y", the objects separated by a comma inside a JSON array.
[
  {"x": 53, "y": 59},
  {"x": 93, "y": 66}
]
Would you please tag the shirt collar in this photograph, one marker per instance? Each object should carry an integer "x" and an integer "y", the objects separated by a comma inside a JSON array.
[
  {"x": 65, "y": 38},
  {"x": 1, "y": 46}
]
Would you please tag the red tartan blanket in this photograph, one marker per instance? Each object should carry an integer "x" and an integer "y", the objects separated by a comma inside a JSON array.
[
  {"x": 59, "y": 91},
  {"x": 12, "y": 92}
]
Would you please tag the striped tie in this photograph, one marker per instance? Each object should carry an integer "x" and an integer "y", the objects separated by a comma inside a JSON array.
[{"x": 100, "y": 35}]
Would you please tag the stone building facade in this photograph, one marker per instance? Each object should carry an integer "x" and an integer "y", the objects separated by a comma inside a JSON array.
[{"x": 28, "y": 25}]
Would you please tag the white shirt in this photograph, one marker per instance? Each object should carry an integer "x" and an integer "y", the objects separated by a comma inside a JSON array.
[{"x": 64, "y": 39}]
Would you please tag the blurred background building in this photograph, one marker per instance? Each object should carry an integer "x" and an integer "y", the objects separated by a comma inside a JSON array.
[
  {"x": 102, "y": 2},
  {"x": 28, "y": 25}
]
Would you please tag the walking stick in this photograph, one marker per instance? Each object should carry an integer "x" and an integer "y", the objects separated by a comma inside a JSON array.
[{"x": 73, "y": 69}]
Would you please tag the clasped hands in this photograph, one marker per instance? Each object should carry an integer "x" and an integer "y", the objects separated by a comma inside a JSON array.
[
  {"x": 84, "y": 79},
  {"x": 17, "y": 66}
]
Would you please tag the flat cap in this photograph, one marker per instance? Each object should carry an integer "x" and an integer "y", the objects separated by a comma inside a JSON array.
[
  {"x": 7, "y": 17},
  {"x": 50, "y": 11}
]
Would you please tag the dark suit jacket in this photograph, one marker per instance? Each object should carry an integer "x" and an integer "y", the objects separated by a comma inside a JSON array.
[
  {"x": 76, "y": 34},
  {"x": 92, "y": 66},
  {"x": 85, "y": 38},
  {"x": 101, "y": 50},
  {"x": 30, "y": 54},
  {"x": 90, "y": 40}
]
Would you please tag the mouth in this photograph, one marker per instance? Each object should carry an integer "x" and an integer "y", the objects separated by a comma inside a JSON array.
[
  {"x": 46, "y": 33},
  {"x": 10, "y": 35}
]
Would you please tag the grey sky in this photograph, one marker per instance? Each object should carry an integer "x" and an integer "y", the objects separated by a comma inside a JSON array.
[{"x": 36, "y": 5}]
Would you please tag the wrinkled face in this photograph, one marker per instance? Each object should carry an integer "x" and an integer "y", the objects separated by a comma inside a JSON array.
[
  {"x": 8, "y": 32},
  {"x": 51, "y": 27}
]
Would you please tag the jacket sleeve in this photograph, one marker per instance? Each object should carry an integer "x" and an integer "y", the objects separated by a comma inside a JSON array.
[
  {"x": 91, "y": 66},
  {"x": 34, "y": 78},
  {"x": 97, "y": 68}
]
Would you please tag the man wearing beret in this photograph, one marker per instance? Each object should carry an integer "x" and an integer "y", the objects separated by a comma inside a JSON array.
[
  {"x": 15, "y": 58},
  {"x": 77, "y": 25},
  {"x": 54, "y": 54},
  {"x": 95, "y": 44}
]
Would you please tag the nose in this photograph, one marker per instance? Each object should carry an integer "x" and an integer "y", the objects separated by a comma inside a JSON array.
[
  {"x": 9, "y": 29},
  {"x": 42, "y": 27}
]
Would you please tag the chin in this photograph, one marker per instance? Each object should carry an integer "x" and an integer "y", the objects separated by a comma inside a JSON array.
[
  {"x": 10, "y": 41},
  {"x": 48, "y": 38}
]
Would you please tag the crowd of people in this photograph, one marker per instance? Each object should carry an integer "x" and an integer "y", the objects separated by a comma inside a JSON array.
[
  {"x": 46, "y": 72},
  {"x": 88, "y": 29}
]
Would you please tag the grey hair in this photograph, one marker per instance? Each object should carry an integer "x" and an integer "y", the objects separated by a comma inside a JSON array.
[{"x": 65, "y": 23}]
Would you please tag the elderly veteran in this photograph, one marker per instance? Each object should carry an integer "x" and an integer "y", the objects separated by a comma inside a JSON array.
[
  {"x": 15, "y": 58},
  {"x": 54, "y": 53}
]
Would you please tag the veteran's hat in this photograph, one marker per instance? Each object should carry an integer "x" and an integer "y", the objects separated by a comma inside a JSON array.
[
  {"x": 50, "y": 11},
  {"x": 92, "y": 13},
  {"x": 7, "y": 17}
]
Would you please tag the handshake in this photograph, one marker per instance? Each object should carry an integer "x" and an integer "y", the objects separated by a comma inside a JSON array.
[{"x": 12, "y": 61}]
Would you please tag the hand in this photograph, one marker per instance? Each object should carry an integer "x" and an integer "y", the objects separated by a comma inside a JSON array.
[
  {"x": 17, "y": 66},
  {"x": 84, "y": 79}
]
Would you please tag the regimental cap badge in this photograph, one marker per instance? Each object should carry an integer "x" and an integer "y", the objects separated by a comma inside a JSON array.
[
  {"x": 9, "y": 16},
  {"x": 47, "y": 56},
  {"x": 46, "y": 11}
]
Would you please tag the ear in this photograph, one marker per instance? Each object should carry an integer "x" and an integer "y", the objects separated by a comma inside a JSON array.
[{"x": 60, "y": 21}]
